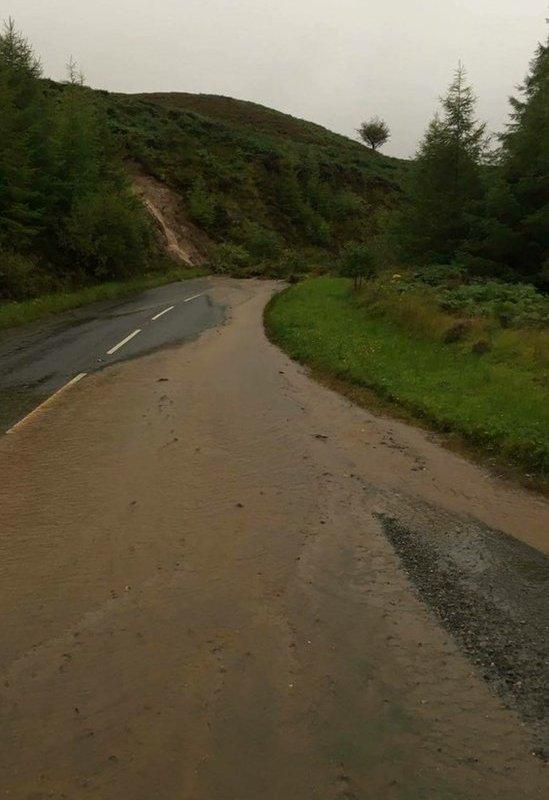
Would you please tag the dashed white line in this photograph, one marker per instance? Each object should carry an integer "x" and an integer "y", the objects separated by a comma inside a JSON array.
[
  {"x": 123, "y": 342},
  {"x": 188, "y": 299},
  {"x": 47, "y": 402},
  {"x": 162, "y": 313}
]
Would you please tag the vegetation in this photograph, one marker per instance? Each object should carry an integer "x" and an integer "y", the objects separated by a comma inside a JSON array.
[
  {"x": 517, "y": 229},
  {"x": 374, "y": 133},
  {"x": 380, "y": 339},
  {"x": 67, "y": 215},
  {"x": 269, "y": 189},
  {"x": 357, "y": 262},
  {"x": 440, "y": 221}
]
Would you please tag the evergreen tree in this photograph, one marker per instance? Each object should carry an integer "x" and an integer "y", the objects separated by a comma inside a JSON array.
[
  {"x": 518, "y": 228},
  {"x": 21, "y": 139},
  {"x": 441, "y": 218}
]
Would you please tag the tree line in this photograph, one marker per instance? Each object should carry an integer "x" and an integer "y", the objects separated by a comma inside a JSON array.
[
  {"x": 485, "y": 210},
  {"x": 67, "y": 215}
]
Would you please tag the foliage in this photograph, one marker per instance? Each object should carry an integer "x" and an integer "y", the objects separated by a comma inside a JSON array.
[
  {"x": 254, "y": 177},
  {"x": 511, "y": 304},
  {"x": 374, "y": 133},
  {"x": 517, "y": 305},
  {"x": 357, "y": 261},
  {"x": 230, "y": 258},
  {"x": 107, "y": 236},
  {"x": 496, "y": 399},
  {"x": 517, "y": 229},
  {"x": 442, "y": 215},
  {"x": 66, "y": 213}
]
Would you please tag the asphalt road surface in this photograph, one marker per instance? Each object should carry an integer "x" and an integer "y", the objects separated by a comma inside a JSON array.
[
  {"x": 220, "y": 580},
  {"x": 38, "y": 360}
]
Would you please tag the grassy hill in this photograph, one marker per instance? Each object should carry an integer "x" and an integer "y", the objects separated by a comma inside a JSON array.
[{"x": 278, "y": 193}]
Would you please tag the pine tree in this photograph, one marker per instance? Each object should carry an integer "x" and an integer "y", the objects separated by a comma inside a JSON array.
[
  {"x": 518, "y": 229},
  {"x": 440, "y": 220},
  {"x": 21, "y": 140}
]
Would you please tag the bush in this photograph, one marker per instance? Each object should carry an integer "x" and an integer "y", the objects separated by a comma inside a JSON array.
[
  {"x": 261, "y": 243},
  {"x": 357, "y": 261},
  {"x": 108, "y": 235},
  {"x": 512, "y": 304},
  {"x": 440, "y": 275},
  {"x": 21, "y": 278},
  {"x": 230, "y": 259},
  {"x": 202, "y": 204}
]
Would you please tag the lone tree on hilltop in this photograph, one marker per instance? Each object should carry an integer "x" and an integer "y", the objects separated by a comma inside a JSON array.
[{"x": 374, "y": 133}]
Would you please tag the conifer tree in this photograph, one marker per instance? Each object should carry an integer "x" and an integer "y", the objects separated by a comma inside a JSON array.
[
  {"x": 440, "y": 220},
  {"x": 518, "y": 229},
  {"x": 21, "y": 151}
]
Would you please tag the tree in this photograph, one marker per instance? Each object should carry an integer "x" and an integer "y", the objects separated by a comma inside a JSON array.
[
  {"x": 374, "y": 133},
  {"x": 21, "y": 139},
  {"x": 441, "y": 217},
  {"x": 357, "y": 261},
  {"x": 518, "y": 226}
]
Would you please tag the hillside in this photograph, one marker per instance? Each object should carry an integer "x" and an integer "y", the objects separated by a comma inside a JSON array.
[{"x": 281, "y": 192}]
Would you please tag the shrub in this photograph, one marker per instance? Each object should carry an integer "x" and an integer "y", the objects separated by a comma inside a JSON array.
[
  {"x": 457, "y": 331},
  {"x": 230, "y": 259},
  {"x": 21, "y": 278},
  {"x": 261, "y": 243},
  {"x": 357, "y": 261},
  {"x": 108, "y": 235},
  {"x": 202, "y": 204}
]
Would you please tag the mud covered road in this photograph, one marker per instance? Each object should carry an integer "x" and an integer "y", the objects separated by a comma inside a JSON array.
[{"x": 221, "y": 581}]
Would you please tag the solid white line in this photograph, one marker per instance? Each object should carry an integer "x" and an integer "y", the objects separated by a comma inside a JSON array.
[
  {"x": 162, "y": 313},
  {"x": 123, "y": 342},
  {"x": 188, "y": 299},
  {"x": 47, "y": 402}
]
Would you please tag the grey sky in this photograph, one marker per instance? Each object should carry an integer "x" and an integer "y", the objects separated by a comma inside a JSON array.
[{"x": 335, "y": 62}]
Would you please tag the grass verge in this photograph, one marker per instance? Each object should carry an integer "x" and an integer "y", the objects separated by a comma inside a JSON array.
[
  {"x": 25, "y": 311},
  {"x": 496, "y": 402}
]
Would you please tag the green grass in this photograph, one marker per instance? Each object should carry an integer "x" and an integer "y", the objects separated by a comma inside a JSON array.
[
  {"x": 496, "y": 401},
  {"x": 21, "y": 313}
]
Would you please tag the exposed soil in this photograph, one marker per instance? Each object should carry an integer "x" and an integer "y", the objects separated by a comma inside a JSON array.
[
  {"x": 185, "y": 242},
  {"x": 201, "y": 598}
]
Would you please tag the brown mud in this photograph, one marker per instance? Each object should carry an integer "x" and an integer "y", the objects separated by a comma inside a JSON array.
[
  {"x": 199, "y": 599},
  {"x": 184, "y": 241}
]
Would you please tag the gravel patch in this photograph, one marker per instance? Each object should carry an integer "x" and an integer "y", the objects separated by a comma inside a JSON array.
[{"x": 491, "y": 592}]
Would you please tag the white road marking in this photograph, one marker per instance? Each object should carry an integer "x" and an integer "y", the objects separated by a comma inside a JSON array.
[
  {"x": 47, "y": 402},
  {"x": 188, "y": 299},
  {"x": 123, "y": 342},
  {"x": 162, "y": 313}
]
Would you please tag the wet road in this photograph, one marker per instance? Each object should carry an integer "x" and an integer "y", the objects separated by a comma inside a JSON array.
[
  {"x": 35, "y": 361},
  {"x": 208, "y": 589}
]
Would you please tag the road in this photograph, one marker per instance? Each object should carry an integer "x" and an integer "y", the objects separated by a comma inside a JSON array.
[
  {"x": 38, "y": 360},
  {"x": 218, "y": 581}
]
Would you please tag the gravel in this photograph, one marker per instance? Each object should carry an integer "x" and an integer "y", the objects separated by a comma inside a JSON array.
[{"x": 491, "y": 592}]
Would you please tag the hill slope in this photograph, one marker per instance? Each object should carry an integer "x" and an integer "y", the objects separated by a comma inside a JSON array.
[{"x": 255, "y": 178}]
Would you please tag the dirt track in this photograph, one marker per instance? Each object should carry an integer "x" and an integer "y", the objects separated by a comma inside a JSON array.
[{"x": 199, "y": 601}]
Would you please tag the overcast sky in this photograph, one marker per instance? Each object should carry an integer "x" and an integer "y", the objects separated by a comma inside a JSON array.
[{"x": 335, "y": 62}]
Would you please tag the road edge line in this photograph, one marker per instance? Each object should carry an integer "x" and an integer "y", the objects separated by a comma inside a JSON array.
[{"x": 46, "y": 402}]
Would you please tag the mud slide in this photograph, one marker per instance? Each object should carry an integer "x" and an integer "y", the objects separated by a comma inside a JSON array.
[
  {"x": 184, "y": 241},
  {"x": 209, "y": 583}
]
